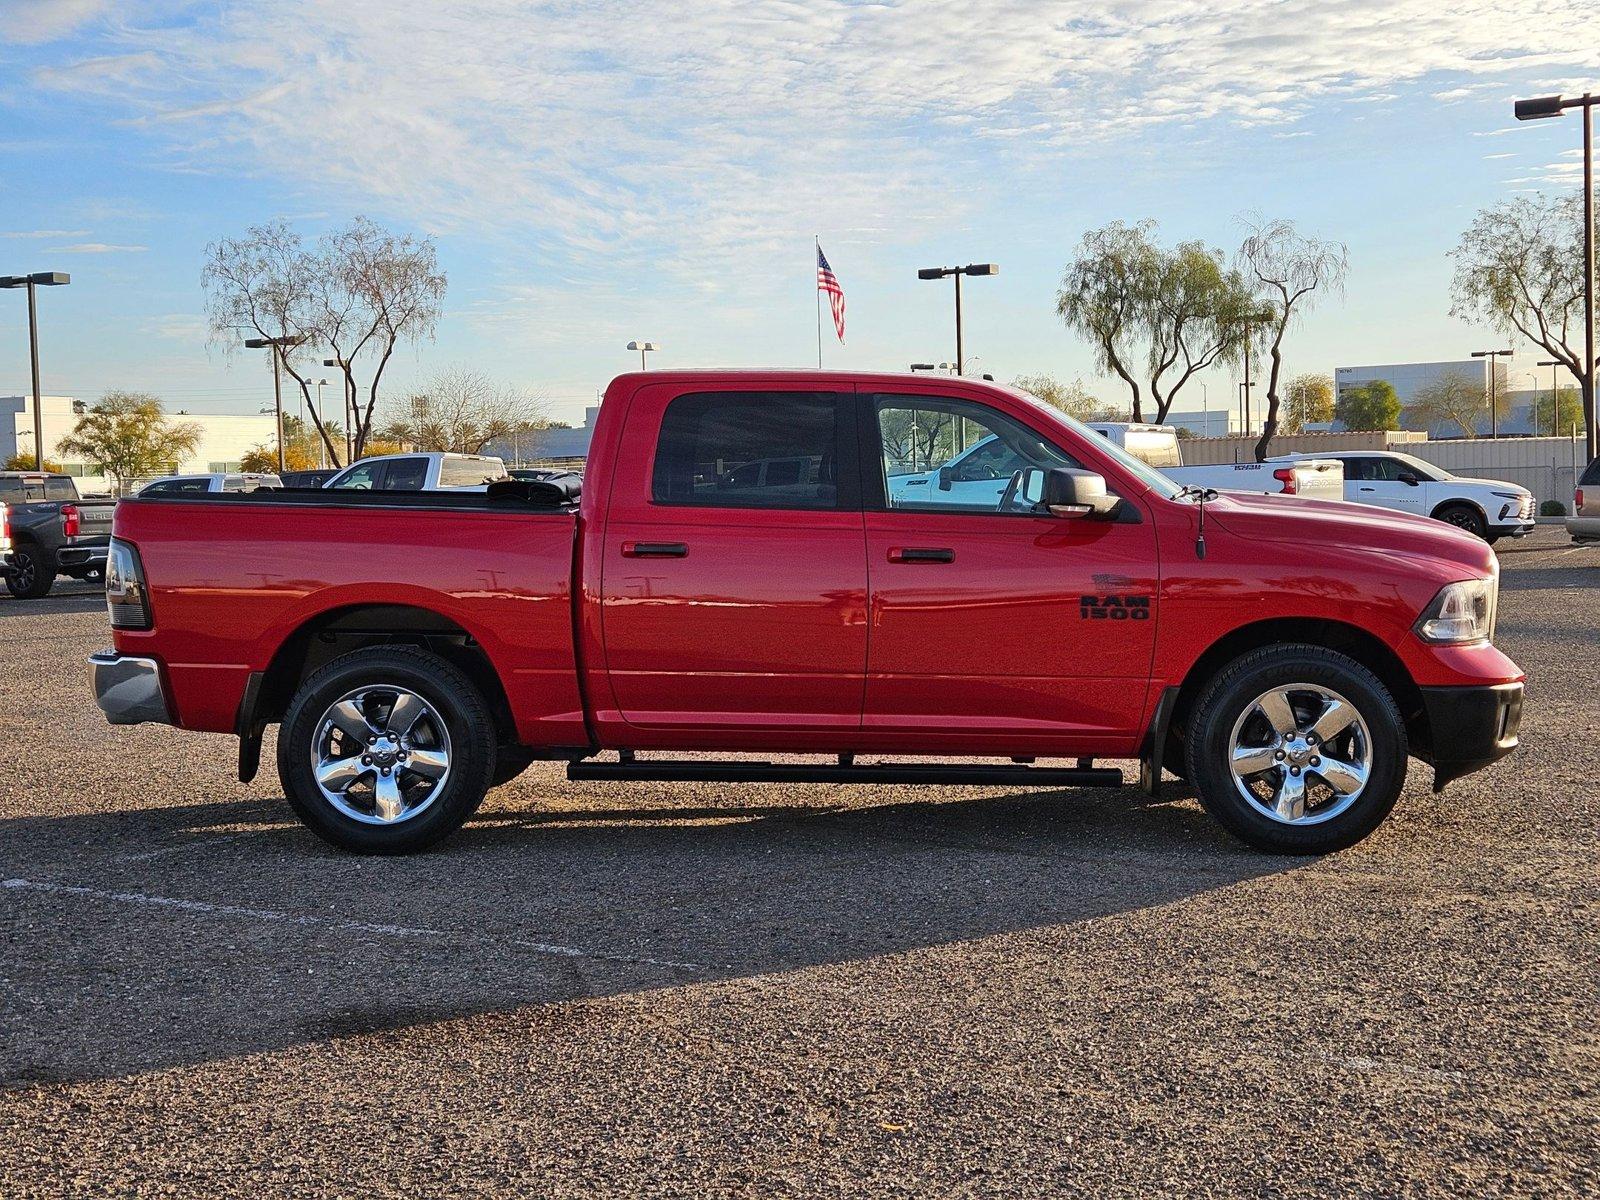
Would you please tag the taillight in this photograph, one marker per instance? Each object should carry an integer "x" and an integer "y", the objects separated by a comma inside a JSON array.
[
  {"x": 71, "y": 520},
  {"x": 1285, "y": 476},
  {"x": 5, "y": 526},
  {"x": 1577, "y": 501},
  {"x": 126, "y": 601}
]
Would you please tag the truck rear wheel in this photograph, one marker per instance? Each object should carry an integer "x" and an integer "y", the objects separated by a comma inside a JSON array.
[
  {"x": 33, "y": 571},
  {"x": 386, "y": 750},
  {"x": 1297, "y": 749}
]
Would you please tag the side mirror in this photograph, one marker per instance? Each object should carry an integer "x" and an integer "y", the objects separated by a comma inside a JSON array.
[
  {"x": 946, "y": 478},
  {"x": 1066, "y": 492},
  {"x": 1409, "y": 478}
]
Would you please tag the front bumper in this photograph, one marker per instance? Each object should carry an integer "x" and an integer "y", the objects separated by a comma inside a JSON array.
[
  {"x": 128, "y": 689},
  {"x": 1470, "y": 727}
]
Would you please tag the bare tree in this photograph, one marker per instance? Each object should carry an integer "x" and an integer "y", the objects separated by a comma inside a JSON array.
[
  {"x": 1519, "y": 268},
  {"x": 358, "y": 294},
  {"x": 1287, "y": 269},
  {"x": 261, "y": 285},
  {"x": 1460, "y": 399},
  {"x": 462, "y": 411}
]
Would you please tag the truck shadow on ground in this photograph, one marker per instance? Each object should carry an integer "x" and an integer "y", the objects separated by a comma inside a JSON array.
[{"x": 162, "y": 937}]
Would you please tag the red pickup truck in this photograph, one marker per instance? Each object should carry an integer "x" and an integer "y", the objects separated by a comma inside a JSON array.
[{"x": 742, "y": 573}]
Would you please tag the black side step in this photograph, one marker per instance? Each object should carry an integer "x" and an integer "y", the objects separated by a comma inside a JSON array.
[{"x": 732, "y": 771}]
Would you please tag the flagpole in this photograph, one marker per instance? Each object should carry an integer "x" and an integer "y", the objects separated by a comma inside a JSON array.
[{"x": 816, "y": 287}]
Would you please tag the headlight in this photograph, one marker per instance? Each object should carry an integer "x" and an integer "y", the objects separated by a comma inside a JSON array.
[{"x": 1461, "y": 613}]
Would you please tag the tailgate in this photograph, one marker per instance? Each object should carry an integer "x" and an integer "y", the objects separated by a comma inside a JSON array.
[
  {"x": 94, "y": 519},
  {"x": 1319, "y": 478}
]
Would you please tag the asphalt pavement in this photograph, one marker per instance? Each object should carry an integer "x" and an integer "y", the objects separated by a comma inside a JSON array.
[{"x": 716, "y": 990}]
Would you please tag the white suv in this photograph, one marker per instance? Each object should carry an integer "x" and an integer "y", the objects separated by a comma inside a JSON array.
[{"x": 1490, "y": 508}]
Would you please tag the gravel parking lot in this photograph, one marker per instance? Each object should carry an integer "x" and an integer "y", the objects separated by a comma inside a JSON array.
[{"x": 721, "y": 990}]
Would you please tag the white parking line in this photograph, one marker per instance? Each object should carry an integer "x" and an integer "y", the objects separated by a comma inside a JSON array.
[{"x": 288, "y": 918}]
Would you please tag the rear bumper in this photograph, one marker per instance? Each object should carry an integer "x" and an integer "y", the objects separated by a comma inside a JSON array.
[
  {"x": 82, "y": 558},
  {"x": 1470, "y": 727},
  {"x": 128, "y": 689},
  {"x": 1584, "y": 529}
]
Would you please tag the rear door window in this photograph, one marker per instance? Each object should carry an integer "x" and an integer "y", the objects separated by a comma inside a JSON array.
[
  {"x": 406, "y": 475},
  {"x": 754, "y": 450}
]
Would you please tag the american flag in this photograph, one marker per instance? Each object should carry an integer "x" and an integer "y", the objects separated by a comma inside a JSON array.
[{"x": 828, "y": 282}]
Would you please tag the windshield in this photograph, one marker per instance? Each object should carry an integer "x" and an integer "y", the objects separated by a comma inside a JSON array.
[
  {"x": 1147, "y": 474},
  {"x": 1424, "y": 470}
]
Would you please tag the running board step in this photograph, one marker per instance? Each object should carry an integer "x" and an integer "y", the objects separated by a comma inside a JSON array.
[{"x": 733, "y": 771}]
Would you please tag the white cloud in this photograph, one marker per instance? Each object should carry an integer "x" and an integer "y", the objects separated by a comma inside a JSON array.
[
  {"x": 45, "y": 233},
  {"x": 694, "y": 141},
  {"x": 97, "y": 248},
  {"x": 30, "y": 21}
]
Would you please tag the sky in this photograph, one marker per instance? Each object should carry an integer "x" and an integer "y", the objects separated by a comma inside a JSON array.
[{"x": 594, "y": 172}]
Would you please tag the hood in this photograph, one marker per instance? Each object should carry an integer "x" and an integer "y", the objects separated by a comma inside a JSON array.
[
  {"x": 1308, "y": 522},
  {"x": 1498, "y": 485}
]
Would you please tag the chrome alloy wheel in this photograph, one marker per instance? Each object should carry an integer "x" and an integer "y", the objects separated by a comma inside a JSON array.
[
  {"x": 381, "y": 755},
  {"x": 1300, "y": 754}
]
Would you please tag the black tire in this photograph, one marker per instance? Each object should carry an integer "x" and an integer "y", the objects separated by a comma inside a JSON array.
[
  {"x": 1464, "y": 516},
  {"x": 1232, "y": 693},
  {"x": 452, "y": 696},
  {"x": 33, "y": 571}
]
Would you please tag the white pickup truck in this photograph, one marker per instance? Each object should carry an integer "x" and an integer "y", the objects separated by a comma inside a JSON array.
[
  {"x": 1158, "y": 445},
  {"x": 420, "y": 472}
]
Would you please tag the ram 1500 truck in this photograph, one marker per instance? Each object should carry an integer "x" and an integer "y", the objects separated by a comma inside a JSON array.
[
  {"x": 51, "y": 530},
  {"x": 738, "y": 576}
]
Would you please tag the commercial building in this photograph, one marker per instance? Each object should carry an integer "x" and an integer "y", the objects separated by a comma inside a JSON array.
[{"x": 224, "y": 438}]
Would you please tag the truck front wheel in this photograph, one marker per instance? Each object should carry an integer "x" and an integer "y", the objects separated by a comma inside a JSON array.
[
  {"x": 386, "y": 750},
  {"x": 1297, "y": 749}
]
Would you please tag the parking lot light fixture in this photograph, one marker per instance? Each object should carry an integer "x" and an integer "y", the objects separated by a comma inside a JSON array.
[
  {"x": 643, "y": 348},
  {"x": 923, "y": 367},
  {"x": 38, "y": 279},
  {"x": 277, "y": 346},
  {"x": 957, "y": 273},
  {"x": 1538, "y": 109}
]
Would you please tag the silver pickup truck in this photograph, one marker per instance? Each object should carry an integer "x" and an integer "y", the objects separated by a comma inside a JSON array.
[{"x": 47, "y": 529}]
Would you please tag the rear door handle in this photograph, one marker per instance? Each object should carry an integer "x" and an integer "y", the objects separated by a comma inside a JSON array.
[
  {"x": 1366, "y": 489},
  {"x": 916, "y": 554},
  {"x": 654, "y": 549}
]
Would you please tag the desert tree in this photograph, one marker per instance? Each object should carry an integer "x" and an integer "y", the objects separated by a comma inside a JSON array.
[
  {"x": 1455, "y": 398},
  {"x": 261, "y": 285},
  {"x": 1154, "y": 317},
  {"x": 1519, "y": 269},
  {"x": 1307, "y": 400},
  {"x": 358, "y": 294},
  {"x": 1289, "y": 273},
  {"x": 127, "y": 435},
  {"x": 1368, "y": 406},
  {"x": 462, "y": 411}
]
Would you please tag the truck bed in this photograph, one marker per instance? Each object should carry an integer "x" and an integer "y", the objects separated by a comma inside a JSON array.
[{"x": 235, "y": 576}]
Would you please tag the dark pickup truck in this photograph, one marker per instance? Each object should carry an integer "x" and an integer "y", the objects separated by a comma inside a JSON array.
[{"x": 47, "y": 529}]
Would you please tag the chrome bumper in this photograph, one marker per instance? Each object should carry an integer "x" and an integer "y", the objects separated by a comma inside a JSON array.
[{"x": 128, "y": 690}]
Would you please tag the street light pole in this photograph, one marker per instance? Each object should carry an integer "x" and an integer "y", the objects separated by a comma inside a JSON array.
[
  {"x": 643, "y": 348},
  {"x": 38, "y": 279},
  {"x": 1494, "y": 417},
  {"x": 958, "y": 272},
  {"x": 1555, "y": 106},
  {"x": 276, "y": 344}
]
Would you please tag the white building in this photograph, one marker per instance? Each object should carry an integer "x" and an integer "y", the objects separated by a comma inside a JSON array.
[
  {"x": 224, "y": 438},
  {"x": 1221, "y": 421},
  {"x": 1408, "y": 379}
]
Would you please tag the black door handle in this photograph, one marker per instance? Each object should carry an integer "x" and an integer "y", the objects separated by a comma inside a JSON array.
[
  {"x": 914, "y": 554},
  {"x": 654, "y": 549}
]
